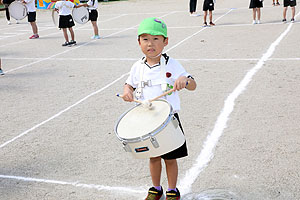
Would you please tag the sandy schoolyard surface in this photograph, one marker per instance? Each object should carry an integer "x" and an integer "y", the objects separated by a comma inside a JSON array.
[{"x": 58, "y": 107}]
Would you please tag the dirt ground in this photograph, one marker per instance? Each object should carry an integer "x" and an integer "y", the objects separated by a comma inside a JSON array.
[{"x": 58, "y": 107}]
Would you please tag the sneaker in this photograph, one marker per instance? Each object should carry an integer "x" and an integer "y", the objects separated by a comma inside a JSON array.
[
  {"x": 284, "y": 20},
  {"x": 72, "y": 42},
  {"x": 273, "y": 4},
  {"x": 194, "y": 15},
  {"x": 1, "y": 72},
  {"x": 35, "y": 36},
  {"x": 211, "y": 23},
  {"x": 17, "y": 22},
  {"x": 8, "y": 22},
  {"x": 173, "y": 195},
  {"x": 258, "y": 21},
  {"x": 65, "y": 44},
  {"x": 254, "y": 22},
  {"x": 292, "y": 20},
  {"x": 278, "y": 4},
  {"x": 154, "y": 194},
  {"x": 205, "y": 24},
  {"x": 95, "y": 37}
]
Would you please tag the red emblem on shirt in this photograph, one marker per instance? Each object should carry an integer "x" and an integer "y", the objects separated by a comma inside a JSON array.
[{"x": 168, "y": 74}]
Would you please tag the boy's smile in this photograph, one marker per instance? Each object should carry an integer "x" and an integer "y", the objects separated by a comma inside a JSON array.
[{"x": 152, "y": 46}]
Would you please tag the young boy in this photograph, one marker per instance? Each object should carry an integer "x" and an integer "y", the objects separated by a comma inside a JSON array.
[
  {"x": 1, "y": 71},
  {"x": 31, "y": 9},
  {"x": 292, "y": 4},
  {"x": 255, "y": 5},
  {"x": 208, "y": 5},
  {"x": 66, "y": 20},
  {"x": 164, "y": 73}
]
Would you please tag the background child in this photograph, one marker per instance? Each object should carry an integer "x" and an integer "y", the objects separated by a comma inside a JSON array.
[
  {"x": 292, "y": 4},
  {"x": 93, "y": 15},
  {"x": 66, "y": 20},
  {"x": 152, "y": 38},
  {"x": 193, "y": 7},
  {"x": 208, "y": 5},
  {"x": 256, "y": 5},
  {"x": 6, "y": 4},
  {"x": 31, "y": 9}
]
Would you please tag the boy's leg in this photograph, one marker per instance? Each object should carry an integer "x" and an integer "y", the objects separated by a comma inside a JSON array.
[
  {"x": 204, "y": 16},
  {"x": 210, "y": 16},
  {"x": 172, "y": 172},
  {"x": 284, "y": 12},
  {"x": 95, "y": 27},
  {"x": 254, "y": 13},
  {"x": 258, "y": 13},
  {"x": 155, "y": 170},
  {"x": 72, "y": 33},
  {"x": 65, "y": 34},
  {"x": 34, "y": 28},
  {"x": 7, "y": 12},
  {"x": 293, "y": 12}
]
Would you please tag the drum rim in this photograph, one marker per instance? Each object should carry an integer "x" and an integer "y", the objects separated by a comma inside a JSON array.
[
  {"x": 18, "y": 2},
  {"x": 75, "y": 18},
  {"x": 148, "y": 135}
]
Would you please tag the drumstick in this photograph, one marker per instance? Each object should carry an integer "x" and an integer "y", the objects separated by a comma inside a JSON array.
[
  {"x": 137, "y": 101},
  {"x": 163, "y": 94}
]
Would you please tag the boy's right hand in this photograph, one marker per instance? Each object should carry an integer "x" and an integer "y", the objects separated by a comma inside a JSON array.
[{"x": 128, "y": 93}]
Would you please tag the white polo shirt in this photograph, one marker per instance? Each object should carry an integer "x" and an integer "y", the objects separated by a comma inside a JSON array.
[
  {"x": 64, "y": 7},
  {"x": 30, "y": 4},
  {"x": 91, "y": 5},
  {"x": 173, "y": 71}
]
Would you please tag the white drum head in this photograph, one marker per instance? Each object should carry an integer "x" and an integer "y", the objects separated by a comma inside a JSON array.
[
  {"x": 80, "y": 15},
  {"x": 141, "y": 121},
  {"x": 17, "y": 10}
]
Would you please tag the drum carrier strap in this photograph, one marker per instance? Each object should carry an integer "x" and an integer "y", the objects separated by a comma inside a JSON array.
[{"x": 161, "y": 81}]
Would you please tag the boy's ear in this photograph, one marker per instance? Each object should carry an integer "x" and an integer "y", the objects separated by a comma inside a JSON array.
[{"x": 166, "y": 41}]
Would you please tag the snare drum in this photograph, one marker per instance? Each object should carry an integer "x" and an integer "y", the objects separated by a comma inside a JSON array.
[
  {"x": 80, "y": 15},
  {"x": 17, "y": 10},
  {"x": 149, "y": 132}
]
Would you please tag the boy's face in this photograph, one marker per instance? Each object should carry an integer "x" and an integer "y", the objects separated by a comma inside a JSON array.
[{"x": 152, "y": 45}]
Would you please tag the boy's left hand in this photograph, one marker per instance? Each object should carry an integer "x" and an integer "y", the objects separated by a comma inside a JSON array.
[{"x": 181, "y": 83}]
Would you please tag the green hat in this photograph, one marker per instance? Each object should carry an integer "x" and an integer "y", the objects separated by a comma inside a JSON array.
[{"x": 153, "y": 26}]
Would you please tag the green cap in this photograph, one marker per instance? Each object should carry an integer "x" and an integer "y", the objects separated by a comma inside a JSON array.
[{"x": 153, "y": 26}]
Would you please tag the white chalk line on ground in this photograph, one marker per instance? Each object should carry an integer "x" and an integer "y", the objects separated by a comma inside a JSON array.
[
  {"x": 76, "y": 184},
  {"x": 207, "y": 152},
  {"x": 63, "y": 111},
  {"x": 135, "y": 59}
]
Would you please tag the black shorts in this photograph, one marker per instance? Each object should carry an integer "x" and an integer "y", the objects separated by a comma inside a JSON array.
[
  {"x": 66, "y": 21},
  {"x": 208, "y": 5},
  {"x": 256, "y": 4},
  {"x": 291, "y": 3},
  {"x": 93, "y": 15},
  {"x": 31, "y": 16},
  {"x": 179, "y": 152}
]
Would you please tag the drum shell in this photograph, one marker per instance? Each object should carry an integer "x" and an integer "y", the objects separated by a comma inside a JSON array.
[
  {"x": 17, "y": 10},
  {"x": 160, "y": 141},
  {"x": 80, "y": 15}
]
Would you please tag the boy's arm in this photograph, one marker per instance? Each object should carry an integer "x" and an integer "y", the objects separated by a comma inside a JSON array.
[
  {"x": 80, "y": 5},
  {"x": 185, "y": 82},
  {"x": 128, "y": 93}
]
